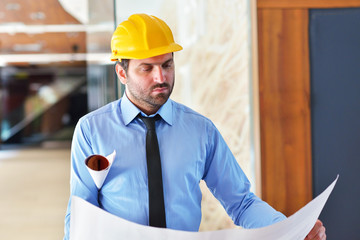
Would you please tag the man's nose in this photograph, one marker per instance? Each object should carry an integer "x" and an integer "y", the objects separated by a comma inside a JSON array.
[{"x": 159, "y": 74}]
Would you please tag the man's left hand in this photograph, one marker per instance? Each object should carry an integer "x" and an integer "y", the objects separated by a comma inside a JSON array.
[{"x": 317, "y": 232}]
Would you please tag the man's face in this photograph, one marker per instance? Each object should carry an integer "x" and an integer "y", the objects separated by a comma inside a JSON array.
[{"x": 149, "y": 82}]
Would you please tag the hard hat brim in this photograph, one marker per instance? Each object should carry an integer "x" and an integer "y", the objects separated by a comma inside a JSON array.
[{"x": 173, "y": 47}]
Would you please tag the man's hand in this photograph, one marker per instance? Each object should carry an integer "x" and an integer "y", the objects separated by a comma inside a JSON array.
[{"x": 317, "y": 232}]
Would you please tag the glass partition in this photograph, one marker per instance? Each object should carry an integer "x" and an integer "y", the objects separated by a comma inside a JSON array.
[
  {"x": 102, "y": 81},
  {"x": 42, "y": 71},
  {"x": 54, "y": 67}
]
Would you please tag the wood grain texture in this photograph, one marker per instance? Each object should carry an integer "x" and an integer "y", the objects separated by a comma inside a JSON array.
[
  {"x": 307, "y": 3},
  {"x": 284, "y": 87},
  {"x": 40, "y": 12}
]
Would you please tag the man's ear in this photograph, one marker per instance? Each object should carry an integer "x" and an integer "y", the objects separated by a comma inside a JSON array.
[{"x": 120, "y": 72}]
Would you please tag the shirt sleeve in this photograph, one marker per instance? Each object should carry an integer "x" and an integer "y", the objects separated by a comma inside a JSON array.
[
  {"x": 231, "y": 187},
  {"x": 81, "y": 182}
]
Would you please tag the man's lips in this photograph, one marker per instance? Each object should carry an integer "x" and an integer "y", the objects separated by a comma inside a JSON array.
[{"x": 160, "y": 88}]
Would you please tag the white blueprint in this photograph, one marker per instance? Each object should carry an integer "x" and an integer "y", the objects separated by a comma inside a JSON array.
[{"x": 92, "y": 223}]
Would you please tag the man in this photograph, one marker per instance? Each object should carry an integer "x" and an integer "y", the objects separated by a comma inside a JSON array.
[{"x": 190, "y": 146}]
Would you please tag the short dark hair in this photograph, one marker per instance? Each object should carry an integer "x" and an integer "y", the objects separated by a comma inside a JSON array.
[{"x": 124, "y": 63}]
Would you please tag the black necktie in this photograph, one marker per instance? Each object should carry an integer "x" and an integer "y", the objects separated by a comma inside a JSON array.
[{"x": 156, "y": 195}]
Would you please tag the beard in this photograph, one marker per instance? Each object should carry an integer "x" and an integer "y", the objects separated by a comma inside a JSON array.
[
  {"x": 161, "y": 97},
  {"x": 146, "y": 98}
]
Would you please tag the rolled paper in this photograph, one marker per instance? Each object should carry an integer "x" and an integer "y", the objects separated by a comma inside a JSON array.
[
  {"x": 97, "y": 162},
  {"x": 99, "y": 166},
  {"x": 111, "y": 157}
]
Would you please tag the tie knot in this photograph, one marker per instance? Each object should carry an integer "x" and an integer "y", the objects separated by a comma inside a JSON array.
[{"x": 149, "y": 121}]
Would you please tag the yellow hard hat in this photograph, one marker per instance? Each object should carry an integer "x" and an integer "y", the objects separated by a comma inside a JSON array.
[{"x": 142, "y": 36}]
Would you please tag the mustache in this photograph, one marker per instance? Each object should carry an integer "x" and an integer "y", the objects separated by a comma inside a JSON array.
[{"x": 162, "y": 85}]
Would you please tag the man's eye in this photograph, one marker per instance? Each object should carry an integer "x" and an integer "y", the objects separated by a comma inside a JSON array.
[
  {"x": 146, "y": 69},
  {"x": 167, "y": 65}
]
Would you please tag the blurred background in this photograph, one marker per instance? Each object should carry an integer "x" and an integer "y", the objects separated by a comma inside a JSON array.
[
  {"x": 55, "y": 67},
  {"x": 280, "y": 79}
]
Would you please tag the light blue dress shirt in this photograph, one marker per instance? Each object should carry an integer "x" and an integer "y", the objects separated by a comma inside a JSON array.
[{"x": 191, "y": 149}]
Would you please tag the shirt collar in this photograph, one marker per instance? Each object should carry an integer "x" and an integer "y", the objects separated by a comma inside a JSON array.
[{"x": 130, "y": 111}]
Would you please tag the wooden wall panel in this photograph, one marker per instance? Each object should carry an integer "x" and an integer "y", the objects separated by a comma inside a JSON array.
[
  {"x": 307, "y": 3},
  {"x": 284, "y": 89},
  {"x": 39, "y": 12},
  {"x": 34, "y": 12},
  {"x": 54, "y": 42}
]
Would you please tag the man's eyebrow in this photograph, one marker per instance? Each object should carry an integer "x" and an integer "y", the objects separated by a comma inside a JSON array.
[
  {"x": 151, "y": 64},
  {"x": 168, "y": 61},
  {"x": 146, "y": 64}
]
